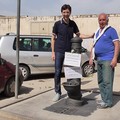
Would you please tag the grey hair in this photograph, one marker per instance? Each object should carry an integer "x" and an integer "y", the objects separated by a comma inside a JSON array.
[{"x": 105, "y": 15}]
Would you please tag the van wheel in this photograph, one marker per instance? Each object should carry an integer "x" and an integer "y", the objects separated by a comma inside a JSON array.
[
  {"x": 10, "y": 87},
  {"x": 87, "y": 70},
  {"x": 25, "y": 71}
]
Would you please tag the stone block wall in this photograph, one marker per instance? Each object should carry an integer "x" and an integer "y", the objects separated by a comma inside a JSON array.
[{"x": 43, "y": 25}]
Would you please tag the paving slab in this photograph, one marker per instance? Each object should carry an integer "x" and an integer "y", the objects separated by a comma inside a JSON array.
[
  {"x": 35, "y": 102},
  {"x": 41, "y": 107}
]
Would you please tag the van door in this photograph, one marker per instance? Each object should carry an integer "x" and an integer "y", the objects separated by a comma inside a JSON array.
[
  {"x": 25, "y": 48},
  {"x": 42, "y": 55}
]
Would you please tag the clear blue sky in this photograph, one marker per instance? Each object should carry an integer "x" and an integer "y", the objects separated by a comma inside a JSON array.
[{"x": 52, "y": 7}]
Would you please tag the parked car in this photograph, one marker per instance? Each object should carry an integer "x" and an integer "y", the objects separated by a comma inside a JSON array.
[
  {"x": 35, "y": 54},
  {"x": 7, "y": 78}
]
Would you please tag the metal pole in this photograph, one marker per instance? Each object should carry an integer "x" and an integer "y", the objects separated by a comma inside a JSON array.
[{"x": 17, "y": 49}]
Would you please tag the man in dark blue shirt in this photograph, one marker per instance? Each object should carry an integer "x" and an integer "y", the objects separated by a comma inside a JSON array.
[{"x": 63, "y": 31}]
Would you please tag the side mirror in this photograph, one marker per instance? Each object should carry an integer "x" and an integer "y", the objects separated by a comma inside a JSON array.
[{"x": 83, "y": 50}]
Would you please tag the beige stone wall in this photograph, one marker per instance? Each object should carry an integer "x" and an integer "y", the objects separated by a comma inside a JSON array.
[
  {"x": 7, "y": 24},
  {"x": 43, "y": 25}
]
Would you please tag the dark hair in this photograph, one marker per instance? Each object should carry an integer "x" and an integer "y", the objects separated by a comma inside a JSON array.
[{"x": 66, "y": 6}]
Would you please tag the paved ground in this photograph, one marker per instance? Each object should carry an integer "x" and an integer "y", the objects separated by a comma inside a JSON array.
[{"x": 35, "y": 102}]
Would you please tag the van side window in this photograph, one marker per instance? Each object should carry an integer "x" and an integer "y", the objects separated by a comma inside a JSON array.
[
  {"x": 24, "y": 44},
  {"x": 34, "y": 44},
  {"x": 47, "y": 44},
  {"x": 27, "y": 43},
  {"x": 42, "y": 44}
]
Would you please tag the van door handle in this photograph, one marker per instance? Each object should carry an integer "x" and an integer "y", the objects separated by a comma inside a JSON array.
[{"x": 35, "y": 55}]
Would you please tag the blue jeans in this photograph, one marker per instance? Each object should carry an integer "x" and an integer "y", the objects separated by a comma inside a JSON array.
[
  {"x": 59, "y": 58},
  {"x": 105, "y": 81}
]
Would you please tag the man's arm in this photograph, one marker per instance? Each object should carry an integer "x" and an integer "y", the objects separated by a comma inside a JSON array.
[
  {"x": 52, "y": 46},
  {"x": 91, "y": 56},
  {"x": 116, "y": 53},
  {"x": 86, "y": 36}
]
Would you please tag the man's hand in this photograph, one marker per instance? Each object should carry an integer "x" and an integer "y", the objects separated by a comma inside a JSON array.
[
  {"x": 91, "y": 61},
  {"x": 53, "y": 56},
  {"x": 113, "y": 63}
]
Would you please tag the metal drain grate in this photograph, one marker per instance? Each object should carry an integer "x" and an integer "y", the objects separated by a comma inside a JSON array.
[
  {"x": 65, "y": 110},
  {"x": 62, "y": 108}
]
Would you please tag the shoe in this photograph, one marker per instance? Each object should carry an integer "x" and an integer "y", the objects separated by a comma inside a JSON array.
[
  {"x": 103, "y": 106},
  {"x": 100, "y": 102},
  {"x": 56, "y": 98}
]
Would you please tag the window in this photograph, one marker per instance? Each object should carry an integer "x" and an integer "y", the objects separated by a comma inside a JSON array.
[
  {"x": 24, "y": 44},
  {"x": 33, "y": 44}
]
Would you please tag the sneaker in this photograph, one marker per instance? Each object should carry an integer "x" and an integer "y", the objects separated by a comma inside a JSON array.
[
  {"x": 102, "y": 105},
  {"x": 100, "y": 102},
  {"x": 57, "y": 97}
]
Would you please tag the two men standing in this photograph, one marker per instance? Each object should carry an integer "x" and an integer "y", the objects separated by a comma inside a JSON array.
[{"x": 106, "y": 49}]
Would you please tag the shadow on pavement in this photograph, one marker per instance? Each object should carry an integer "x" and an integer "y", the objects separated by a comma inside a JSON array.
[
  {"x": 25, "y": 90},
  {"x": 116, "y": 95},
  {"x": 2, "y": 97},
  {"x": 42, "y": 76},
  {"x": 116, "y": 99},
  {"x": 86, "y": 109}
]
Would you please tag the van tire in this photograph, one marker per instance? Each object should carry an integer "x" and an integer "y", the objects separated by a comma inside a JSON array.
[
  {"x": 9, "y": 90},
  {"x": 87, "y": 70},
  {"x": 25, "y": 71}
]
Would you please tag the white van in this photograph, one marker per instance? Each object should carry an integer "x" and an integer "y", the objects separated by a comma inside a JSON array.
[{"x": 35, "y": 54}]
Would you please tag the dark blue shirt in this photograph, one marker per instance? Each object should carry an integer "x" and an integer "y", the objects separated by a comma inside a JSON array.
[{"x": 64, "y": 33}]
